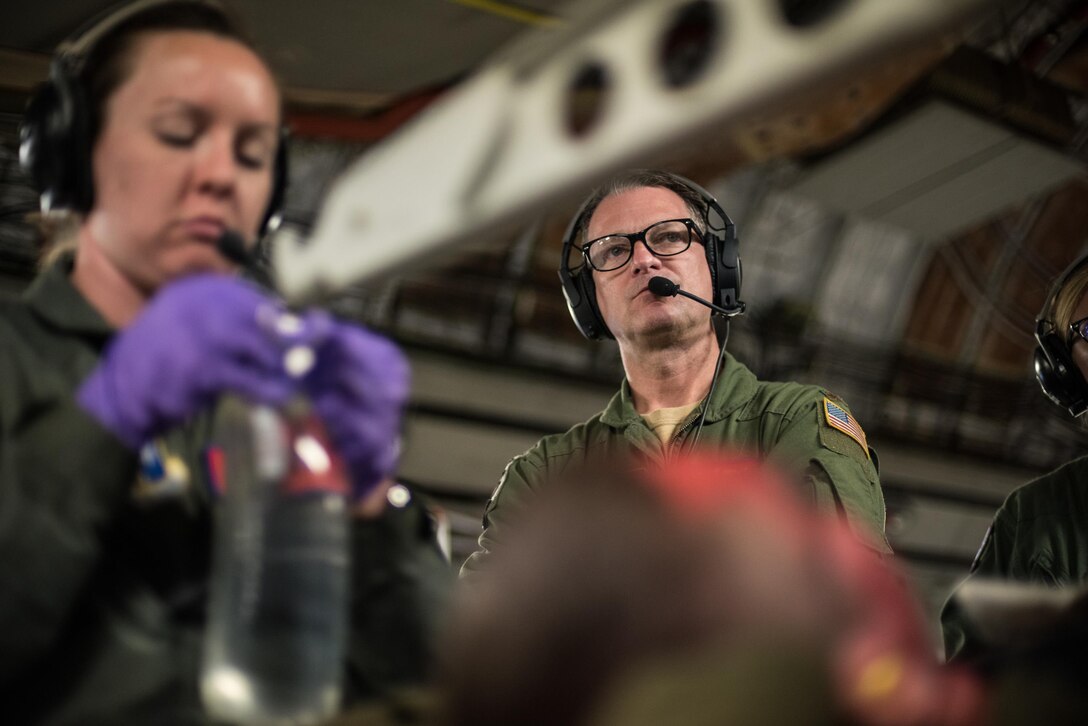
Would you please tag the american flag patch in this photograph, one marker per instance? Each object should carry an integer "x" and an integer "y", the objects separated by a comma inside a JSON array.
[{"x": 840, "y": 418}]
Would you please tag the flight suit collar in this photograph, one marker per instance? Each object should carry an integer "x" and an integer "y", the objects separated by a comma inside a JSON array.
[
  {"x": 736, "y": 386},
  {"x": 54, "y": 299}
]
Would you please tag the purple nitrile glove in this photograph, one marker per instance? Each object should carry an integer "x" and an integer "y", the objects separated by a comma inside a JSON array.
[
  {"x": 359, "y": 386},
  {"x": 197, "y": 338}
]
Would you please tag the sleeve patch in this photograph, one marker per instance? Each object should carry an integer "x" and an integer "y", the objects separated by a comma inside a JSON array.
[{"x": 839, "y": 418}]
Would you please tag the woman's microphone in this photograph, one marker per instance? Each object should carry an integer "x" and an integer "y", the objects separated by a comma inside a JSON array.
[
  {"x": 231, "y": 245},
  {"x": 664, "y": 287}
]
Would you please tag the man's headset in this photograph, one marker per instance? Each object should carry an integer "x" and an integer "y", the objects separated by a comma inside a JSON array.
[
  {"x": 722, "y": 255},
  {"x": 55, "y": 137},
  {"x": 1058, "y": 375}
]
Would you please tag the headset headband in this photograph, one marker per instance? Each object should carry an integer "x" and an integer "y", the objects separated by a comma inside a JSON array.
[{"x": 76, "y": 47}]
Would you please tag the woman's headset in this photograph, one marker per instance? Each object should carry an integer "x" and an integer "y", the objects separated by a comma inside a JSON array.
[
  {"x": 1057, "y": 373},
  {"x": 55, "y": 144},
  {"x": 722, "y": 256}
]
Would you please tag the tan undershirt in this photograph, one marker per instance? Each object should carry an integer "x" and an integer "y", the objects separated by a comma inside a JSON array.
[{"x": 663, "y": 421}]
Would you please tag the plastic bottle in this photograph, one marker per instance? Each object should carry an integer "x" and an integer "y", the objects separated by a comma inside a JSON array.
[{"x": 277, "y": 610}]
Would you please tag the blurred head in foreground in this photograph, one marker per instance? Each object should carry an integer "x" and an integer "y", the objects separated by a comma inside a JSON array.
[{"x": 698, "y": 593}]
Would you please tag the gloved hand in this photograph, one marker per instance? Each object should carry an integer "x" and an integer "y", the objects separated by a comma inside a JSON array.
[
  {"x": 359, "y": 386},
  {"x": 197, "y": 338}
]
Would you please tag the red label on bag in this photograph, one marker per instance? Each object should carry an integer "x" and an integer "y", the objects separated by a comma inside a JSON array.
[{"x": 216, "y": 463}]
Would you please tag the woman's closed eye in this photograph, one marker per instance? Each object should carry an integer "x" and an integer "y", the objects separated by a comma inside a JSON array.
[
  {"x": 255, "y": 150},
  {"x": 177, "y": 132}
]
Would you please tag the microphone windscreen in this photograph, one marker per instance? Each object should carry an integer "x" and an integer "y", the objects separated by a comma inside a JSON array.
[
  {"x": 231, "y": 245},
  {"x": 663, "y": 286}
]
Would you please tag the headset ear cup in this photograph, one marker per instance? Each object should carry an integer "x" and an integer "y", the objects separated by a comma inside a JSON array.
[
  {"x": 581, "y": 298},
  {"x": 78, "y": 140},
  {"x": 724, "y": 261},
  {"x": 34, "y": 133},
  {"x": 730, "y": 271},
  {"x": 1058, "y": 374},
  {"x": 591, "y": 314},
  {"x": 711, "y": 248},
  {"x": 1047, "y": 377},
  {"x": 722, "y": 250},
  {"x": 54, "y": 144},
  {"x": 578, "y": 289},
  {"x": 274, "y": 212}
]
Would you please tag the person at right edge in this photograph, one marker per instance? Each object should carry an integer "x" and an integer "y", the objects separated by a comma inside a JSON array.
[
  {"x": 1039, "y": 536},
  {"x": 682, "y": 389}
]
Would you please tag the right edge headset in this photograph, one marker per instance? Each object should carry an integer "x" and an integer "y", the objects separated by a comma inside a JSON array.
[
  {"x": 56, "y": 135},
  {"x": 1057, "y": 373},
  {"x": 722, "y": 256}
]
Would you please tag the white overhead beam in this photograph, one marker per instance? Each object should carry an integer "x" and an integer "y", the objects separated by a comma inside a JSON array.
[{"x": 500, "y": 145}]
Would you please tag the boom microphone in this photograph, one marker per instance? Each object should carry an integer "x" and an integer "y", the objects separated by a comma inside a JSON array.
[
  {"x": 664, "y": 287},
  {"x": 231, "y": 245}
]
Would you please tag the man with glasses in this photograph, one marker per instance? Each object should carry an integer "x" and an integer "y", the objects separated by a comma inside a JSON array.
[{"x": 681, "y": 388}]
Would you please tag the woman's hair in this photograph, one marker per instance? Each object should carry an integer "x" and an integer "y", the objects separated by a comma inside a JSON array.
[
  {"x": 101, "y": 61},
  {"x": 1067, "y": 299}
]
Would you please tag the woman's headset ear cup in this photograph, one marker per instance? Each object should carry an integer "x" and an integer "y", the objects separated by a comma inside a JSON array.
[
  {"x": 274, "y": 212},
  {"x": 54, "y": 144}
]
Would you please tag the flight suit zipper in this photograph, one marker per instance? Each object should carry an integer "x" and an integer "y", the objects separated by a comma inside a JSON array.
[{"x": 674, "y": 442}]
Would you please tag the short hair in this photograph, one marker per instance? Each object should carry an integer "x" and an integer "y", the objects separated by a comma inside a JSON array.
[{"x": 638, "y": 179}]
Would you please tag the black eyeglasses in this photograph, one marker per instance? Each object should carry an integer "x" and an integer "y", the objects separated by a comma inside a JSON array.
[
  {"x": 663, "y": 239},
  {"x": 1078, "y": 328}
]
